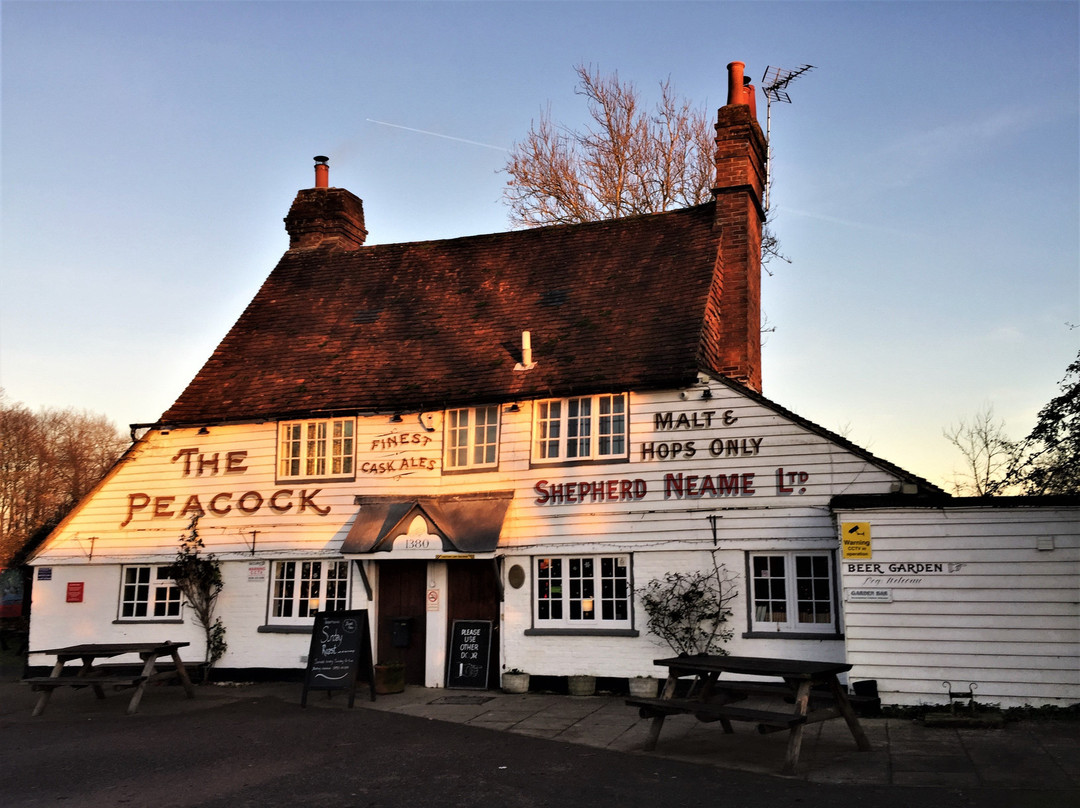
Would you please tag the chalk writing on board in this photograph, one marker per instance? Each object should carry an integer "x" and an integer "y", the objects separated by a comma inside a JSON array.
[{"x": 470, "y": 645}]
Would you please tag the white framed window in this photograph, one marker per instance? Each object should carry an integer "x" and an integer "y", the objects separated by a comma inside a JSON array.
[
  {"x": 148, "y": 593},
  {"x": 312, "y": 449},
  {"x": 303, "y": 587},
  {"x": 581, "y": 428},
  {"x": 793, "y": 592},
  {"x": 472, "y": 438},
  {"x": 583, "y": 592}
]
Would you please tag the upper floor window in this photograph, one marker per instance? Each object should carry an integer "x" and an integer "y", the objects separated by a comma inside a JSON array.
[
  {"x": 323, "y": 448},
  {"x": 793, "y": 592},
  {"x": 582, "y": 428},
  {"x": 148, "y": 593},
  {"x": 302, "y": 588},
  {"x": 472, "y": 438}
]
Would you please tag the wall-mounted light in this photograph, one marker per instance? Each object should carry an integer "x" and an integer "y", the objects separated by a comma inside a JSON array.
[
  {"x": 396, "y": 419},
  {"x": 513, "y": 408},
  {"x": 203, "y": 431},
  {"x": 706, "y": 393}
]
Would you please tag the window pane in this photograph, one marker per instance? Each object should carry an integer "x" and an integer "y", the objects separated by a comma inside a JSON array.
[
  {"x": 814, "y": 589},
  {"x": 770, "y": 590},
  {"x": 612, "y": 425},
  {"x": 549, "y": 429},
  {"x": 283, "y": 588},
  {"x": 578, "y": 427}
]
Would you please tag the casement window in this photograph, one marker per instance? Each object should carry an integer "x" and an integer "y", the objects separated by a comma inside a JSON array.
[
  {"x": 582, "y": 428},
  {"x": 583, "y": 592},
  {"x": 304, "y": 587},
  {"x": 472, "y": 438},
  {"x": 314, "y": 449},
  {"x": 148, "y": 593},
  {"x": 793, "y": 592}
]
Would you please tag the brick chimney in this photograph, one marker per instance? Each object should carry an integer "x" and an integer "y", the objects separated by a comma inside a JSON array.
[
  {"x": 740, "y": 180},
  {"x": 325, "y": 217}
]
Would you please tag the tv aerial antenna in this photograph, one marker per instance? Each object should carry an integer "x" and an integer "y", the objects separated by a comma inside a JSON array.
[{"x": 774, "y": 85}]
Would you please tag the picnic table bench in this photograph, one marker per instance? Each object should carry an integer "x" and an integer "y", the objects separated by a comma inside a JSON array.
[
  {"x": 808, "y": 692},
  {"x": 100, "y": 677}
]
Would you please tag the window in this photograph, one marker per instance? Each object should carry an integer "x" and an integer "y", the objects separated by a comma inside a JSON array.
[
  {"x": 472, "y": 438},
  {"x": 583, "y": 592},
  {"x": 302, "y": 588},
  {"x": 585, "y": 428},
  {"x": 316, "y": 448},
  {"x": 148, "y": 593},
  {"x": 793, "y": 592}
]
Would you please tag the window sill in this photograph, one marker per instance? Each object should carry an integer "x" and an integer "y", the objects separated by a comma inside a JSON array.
[
  {"x": 791, "y": 635},
  {"x": 469, "y": 470},
  {"x": 138, "y": 621},
  {"x": 351, "y": 478},
  {"x": 573, "y": 462},
  {"x": 285, "y": 629},
  {"x": 579, "y": 632}
]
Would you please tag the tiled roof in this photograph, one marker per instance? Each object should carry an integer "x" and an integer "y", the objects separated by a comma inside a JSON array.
[{"x": 613, "y": 305}]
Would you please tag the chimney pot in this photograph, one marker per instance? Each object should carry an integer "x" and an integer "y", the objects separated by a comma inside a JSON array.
[
  {"x": 322, "y": 172},
  {"x": 735, "y": 91}
]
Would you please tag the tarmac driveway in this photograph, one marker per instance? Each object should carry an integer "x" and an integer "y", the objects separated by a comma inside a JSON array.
[{"x": 257, "y": 747}]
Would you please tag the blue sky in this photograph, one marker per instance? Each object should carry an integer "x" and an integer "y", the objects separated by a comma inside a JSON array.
[{"x": 926, "y": 179}]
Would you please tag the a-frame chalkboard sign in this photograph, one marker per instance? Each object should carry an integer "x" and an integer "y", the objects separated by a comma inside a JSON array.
[
  {"x": 340, "y": 654},
  {"x": 467, "y": 662}
]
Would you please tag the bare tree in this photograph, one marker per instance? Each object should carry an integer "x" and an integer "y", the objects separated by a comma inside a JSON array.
[
  {"x": 629, "y": 161},
  {"x": 49, "y": 460},
  {"x": 986, "y": 451}
]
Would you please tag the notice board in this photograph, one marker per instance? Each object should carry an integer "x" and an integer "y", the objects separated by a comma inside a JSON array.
[
  {"x": 470, "y": 652},
  {"x": 340, "y": 654}
]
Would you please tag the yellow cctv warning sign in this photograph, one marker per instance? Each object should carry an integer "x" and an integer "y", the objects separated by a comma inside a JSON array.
[{"x": 855, "y": 540}]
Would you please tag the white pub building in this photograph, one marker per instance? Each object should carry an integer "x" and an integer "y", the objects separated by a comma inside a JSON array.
[{"x": 523, "y": 428}]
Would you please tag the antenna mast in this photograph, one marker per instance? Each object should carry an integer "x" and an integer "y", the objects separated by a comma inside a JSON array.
[{"x": 775, "y": 82}]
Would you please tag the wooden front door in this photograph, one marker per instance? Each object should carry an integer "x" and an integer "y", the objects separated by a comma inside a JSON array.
[
  {"x": 402, "y": 635},
  {"x": 474, "y": 595}
]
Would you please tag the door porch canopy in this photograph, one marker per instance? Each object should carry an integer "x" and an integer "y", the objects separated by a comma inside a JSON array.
[{"x": 428, "y": 526}]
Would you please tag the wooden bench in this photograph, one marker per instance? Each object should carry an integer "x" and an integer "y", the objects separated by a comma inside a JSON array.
[
  {"x": 767, "y": 720},
  {"x": 164, "y": 672},
  {"x": 52, "y": 682}
]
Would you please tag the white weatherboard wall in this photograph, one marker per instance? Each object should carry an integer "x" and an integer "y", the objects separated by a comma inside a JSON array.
[
  {"x": 786, "y": 474},
  {"x": 984, "y": 595}
]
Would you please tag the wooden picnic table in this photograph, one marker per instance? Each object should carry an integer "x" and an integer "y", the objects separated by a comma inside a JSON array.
[
  {"x": 92, "y": 675},
  {"x": 808, "y": 691}
]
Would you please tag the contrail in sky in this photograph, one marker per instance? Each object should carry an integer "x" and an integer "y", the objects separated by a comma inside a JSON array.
[{"x": 436, "y": 134}]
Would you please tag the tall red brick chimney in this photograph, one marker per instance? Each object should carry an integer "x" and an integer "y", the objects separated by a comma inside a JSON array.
[
  {"x": 325, "y": 217},
  {"x": 740, "y": 181}
]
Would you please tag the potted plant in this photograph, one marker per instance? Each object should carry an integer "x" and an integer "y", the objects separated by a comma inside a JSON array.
[
  {"x": 515, "y": 681},
  {"x": 389, "y": 678},
  {"x": 689, "y": 610},
  {"x": 582, "y": 685},
  {"x": 644, "y": 687}
]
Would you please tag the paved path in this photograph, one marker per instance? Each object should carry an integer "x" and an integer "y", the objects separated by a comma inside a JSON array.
[{"x": 1029, "y": 754}]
